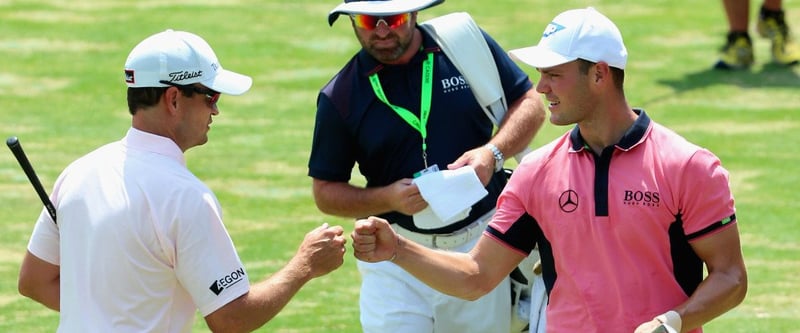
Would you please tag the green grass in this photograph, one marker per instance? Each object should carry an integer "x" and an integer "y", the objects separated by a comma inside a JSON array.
[{"x": 62, "y": 94}]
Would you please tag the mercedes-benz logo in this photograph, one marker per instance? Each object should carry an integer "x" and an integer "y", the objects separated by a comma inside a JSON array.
[{"x": 568, "y": 201}]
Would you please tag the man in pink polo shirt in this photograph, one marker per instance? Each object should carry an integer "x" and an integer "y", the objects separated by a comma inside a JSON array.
[{"x": 625, "y": 211}]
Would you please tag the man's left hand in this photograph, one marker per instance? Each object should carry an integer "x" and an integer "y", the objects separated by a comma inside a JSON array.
[{"x": 480, "y": 159}]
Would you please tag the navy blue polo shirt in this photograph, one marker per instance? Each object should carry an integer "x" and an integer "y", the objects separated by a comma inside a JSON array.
[{"x": 353, "y": 126}]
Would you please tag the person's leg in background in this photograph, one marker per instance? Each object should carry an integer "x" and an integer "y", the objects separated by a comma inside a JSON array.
[
  {"x": 738, "y": 51},
  {"x": 772, "y": 25}
]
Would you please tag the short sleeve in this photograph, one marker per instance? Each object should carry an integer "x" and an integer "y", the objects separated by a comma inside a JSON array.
[
  {"x": 706, "y": 196},
  {"x": 44, "y": 242},
  {"x": 207, "y": 263},
  {"x": 333, "y": 148}
]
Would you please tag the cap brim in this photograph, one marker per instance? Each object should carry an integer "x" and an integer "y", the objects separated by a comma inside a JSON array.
[
  {"x": 230, "y": 83},
  {"x": 539, "y": 57},
  {"x": 380, "y": 8}
]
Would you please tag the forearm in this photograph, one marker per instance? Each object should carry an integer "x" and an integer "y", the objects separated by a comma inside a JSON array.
[
  {"x": 523, "y": 120},
  {"x": 262, "y": 303},
  {"x": 717, "y": 294},
  {"x": 321, "y": 252},
  {"x": 726, "y": 284},
  {"x": 452, "y": 273},
  {"x": 272, "y": 294},
  {"x": 346, "y": 200}
]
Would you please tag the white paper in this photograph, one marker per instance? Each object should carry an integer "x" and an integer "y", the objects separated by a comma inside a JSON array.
[{"x": 450, "y": 195}]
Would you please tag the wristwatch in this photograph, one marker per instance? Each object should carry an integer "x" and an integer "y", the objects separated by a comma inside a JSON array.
[{"x": 498, "y": 157}]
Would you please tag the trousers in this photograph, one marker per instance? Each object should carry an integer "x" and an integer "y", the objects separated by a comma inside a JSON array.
[{"x": 392, "y": 300}]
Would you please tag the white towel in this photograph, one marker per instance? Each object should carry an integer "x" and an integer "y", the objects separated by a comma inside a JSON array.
[{"x": 450, "y": 195}]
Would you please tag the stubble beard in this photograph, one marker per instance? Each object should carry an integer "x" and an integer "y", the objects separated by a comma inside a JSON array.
[{"x": 388, "y": 54}]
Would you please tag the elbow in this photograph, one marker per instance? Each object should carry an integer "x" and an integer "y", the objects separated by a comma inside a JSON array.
[
  {"x": 40, "y": 281},
  {"x": 33, "y": 292},
  {"x": 475, "y": 295},
  {"x": 226, "y": 329},
  {"x": 324, "y": 207},
  {"x": 25, "y": 289},
  {"x": 539, "y": 116},
  {"x": 243, "y": 314},
  {"x": 477, "y": 288},
  {"x": 732, "y": 285},
  {"x": 320, "y": 198},
  {"x": 29, "y": 287},
  {"x": 538, "y": 106},
  {"x": 740, "y": 287},
  {"x": 225, "y": 320}
]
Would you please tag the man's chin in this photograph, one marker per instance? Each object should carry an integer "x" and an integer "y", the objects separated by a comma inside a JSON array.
[{"x": 385, "y": 55}]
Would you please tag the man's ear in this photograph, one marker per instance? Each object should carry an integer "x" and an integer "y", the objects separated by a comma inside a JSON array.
[
  {"x": 171, "y": 98},
  {"x": 601, "y": 71}
]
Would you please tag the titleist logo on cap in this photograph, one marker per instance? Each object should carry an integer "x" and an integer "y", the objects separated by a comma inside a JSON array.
[{"x": 184, "y": 75}]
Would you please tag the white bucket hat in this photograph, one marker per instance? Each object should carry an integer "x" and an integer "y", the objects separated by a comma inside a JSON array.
[
  {"x": 380, "y": 7},
  {"x": 181, "y": 58},
  {"x": 573, "y": 34}
]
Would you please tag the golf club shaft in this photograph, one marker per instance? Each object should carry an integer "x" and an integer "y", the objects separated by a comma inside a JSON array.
[{"x": 16, "y": 148}]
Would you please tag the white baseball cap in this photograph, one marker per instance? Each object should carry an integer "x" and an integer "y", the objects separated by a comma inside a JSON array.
[
  {"x": 181, "y": 58},
  {"x": 379, "y": 7},
  {"x": 573, "y": 34}
]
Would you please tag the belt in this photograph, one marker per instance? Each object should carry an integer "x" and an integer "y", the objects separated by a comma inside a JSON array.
[{"x": 451, "y": 240}]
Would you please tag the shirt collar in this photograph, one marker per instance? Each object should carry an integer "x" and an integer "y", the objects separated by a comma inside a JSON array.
[
  {"x": 140, "y": 140},
  {"x": 633, "y": 136}
]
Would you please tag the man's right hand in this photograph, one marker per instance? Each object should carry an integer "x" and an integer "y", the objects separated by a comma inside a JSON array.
[
  {"x": 374, "y": 240},
  {"x": 322, "y": 250},
  {"x": 405, "y": 197}
]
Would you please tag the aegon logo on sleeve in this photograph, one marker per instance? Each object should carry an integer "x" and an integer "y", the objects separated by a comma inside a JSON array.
[{"x": 226, "y": 281}]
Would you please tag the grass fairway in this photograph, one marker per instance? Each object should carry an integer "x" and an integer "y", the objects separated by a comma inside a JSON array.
[{"x": 62, "y": 93}]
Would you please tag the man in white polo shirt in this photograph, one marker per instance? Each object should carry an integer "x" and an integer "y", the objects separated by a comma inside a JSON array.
[{"x": 139, "y": 244}]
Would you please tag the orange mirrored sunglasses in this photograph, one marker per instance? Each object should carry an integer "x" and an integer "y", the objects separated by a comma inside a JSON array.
[{"x": 369, "y": 22}]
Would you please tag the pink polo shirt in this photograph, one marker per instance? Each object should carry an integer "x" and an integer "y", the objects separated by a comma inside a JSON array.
[{"x": 613, "y": 230}]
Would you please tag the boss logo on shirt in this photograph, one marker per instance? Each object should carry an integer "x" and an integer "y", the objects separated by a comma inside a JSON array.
[
  {"x": 226, "y": 281},
  {"x": 454, "y": 83},
  {"x": 642, "y": 198}
]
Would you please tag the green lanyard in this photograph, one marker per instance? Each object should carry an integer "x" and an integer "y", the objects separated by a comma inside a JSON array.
[{"x": 424, "y": 104}]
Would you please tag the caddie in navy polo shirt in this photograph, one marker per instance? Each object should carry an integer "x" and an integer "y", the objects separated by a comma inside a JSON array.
[
  {"x": 397, "y": 108},
  {"x": 360, "y": 128}
]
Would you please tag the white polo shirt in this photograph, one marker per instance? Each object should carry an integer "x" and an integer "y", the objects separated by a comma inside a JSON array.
[{"x": 140, "y": 241}]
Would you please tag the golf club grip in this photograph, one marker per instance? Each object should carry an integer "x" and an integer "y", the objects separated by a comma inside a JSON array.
[{"x": 16, "y": 148}]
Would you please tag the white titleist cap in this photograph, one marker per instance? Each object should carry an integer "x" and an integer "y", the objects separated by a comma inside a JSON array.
[
  {"x": 573, "y": 34},
  {"x": 181, "y": 58}
]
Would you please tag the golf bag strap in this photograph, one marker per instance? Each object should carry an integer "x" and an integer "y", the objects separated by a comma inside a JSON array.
[{"x": 458, "y": 31}]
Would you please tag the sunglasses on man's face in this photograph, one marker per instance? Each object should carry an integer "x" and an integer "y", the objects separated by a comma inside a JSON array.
[
  {"x": 369, "y": 22},
  {"x": 212, "y": 96}
]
